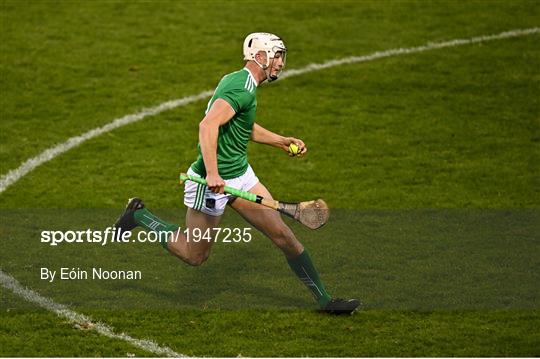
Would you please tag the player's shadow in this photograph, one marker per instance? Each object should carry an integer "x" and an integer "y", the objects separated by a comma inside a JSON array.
[{"x": 233, "y": 278}]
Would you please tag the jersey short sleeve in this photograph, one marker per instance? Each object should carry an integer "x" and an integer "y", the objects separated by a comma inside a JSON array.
[{"x": 239, "y": 98}]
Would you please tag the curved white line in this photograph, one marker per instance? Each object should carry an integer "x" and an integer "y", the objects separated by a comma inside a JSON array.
[
  {"x": 63, "y": 311},
  {"x": 14, "y": 175}
]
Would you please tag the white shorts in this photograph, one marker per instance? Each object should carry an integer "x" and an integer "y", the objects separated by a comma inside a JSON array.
[{"x": 200, "y": 198}]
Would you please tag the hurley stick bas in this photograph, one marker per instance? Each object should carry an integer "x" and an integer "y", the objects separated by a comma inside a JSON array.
[{"x": 313, "y": 214}]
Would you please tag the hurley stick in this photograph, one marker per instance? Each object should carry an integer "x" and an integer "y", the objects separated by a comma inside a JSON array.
[{"x": 313, "y": 214}]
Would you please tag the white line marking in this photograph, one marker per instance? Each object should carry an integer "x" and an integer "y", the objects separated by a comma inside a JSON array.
[
  {"x": 14, "y": 175},
  {"x": 411, "y": 50},
  {"x": 61, "y": 310}
]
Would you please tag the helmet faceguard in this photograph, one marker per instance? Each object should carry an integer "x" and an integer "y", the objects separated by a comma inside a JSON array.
[{"x": 271, "y": 45}]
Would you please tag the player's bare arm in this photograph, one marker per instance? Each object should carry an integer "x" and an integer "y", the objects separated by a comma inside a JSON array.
[
  {"x": 218, "y": 115},
  {"x": 267, "y": 137}
]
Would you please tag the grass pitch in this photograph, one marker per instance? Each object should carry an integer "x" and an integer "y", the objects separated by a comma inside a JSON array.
[{"x": 428, "y": 160}]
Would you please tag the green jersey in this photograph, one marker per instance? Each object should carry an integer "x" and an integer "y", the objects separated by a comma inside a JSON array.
[{"x": 239, "y": 89}]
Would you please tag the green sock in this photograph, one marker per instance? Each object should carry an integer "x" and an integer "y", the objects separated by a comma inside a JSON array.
[
  {"x": 305, "y": 270},
  {"x": 145, "y": 219}
]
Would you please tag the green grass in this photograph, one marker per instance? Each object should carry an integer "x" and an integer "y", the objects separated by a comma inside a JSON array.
[
  {"x": 286, "y": 334},
  {"x": 26, "y": 331},
  {"x": 429, "y": 162},
  {"x": 372, "y": 333}
]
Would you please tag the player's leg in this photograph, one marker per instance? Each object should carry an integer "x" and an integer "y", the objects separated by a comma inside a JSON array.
[
  {"x": 193, "y": 251},
  {"x": 270, "y": 223},
  {"x": 204, "y": 210}
]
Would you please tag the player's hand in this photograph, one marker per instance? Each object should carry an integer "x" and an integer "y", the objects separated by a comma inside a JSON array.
[
  {"x": 215, "y": 183},
  {"x": 301, "y": 146}
]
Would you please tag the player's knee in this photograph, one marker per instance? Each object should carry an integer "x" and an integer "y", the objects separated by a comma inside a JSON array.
[
  {"x": 284, "y": 238},
  {"x": 282, "y": 234},
  {"x": 197, "y": 259}
]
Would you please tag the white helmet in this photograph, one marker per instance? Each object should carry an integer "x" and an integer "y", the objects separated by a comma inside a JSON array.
[{"x": 270, "y": 44}]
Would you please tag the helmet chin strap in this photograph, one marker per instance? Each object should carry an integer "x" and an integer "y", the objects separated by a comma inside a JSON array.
[
  {"x": 267, "y": 69},
  {"x": 269, "y": 76}
]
